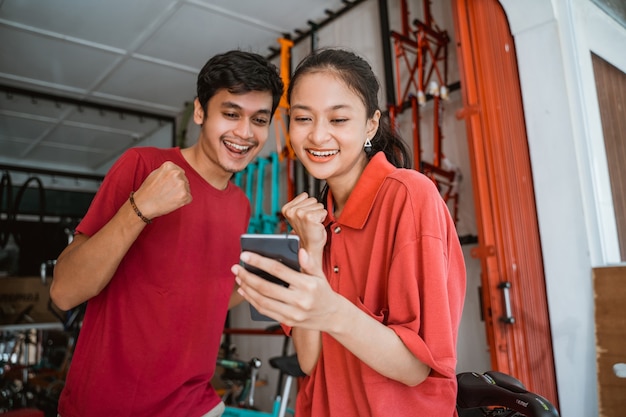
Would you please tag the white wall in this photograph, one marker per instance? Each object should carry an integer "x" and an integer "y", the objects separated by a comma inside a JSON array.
[{"x": 553, "y": 42}]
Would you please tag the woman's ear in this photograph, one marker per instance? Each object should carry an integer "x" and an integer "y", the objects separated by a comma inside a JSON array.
[
  {"x": 198, "y": 112},
  {"x": 372, "y": 124}
]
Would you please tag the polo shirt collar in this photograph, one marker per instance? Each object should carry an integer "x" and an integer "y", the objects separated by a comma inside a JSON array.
[{"x": 362, "y": 198}]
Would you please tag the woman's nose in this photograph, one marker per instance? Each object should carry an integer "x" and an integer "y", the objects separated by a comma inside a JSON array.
[{"x": 319, "y": 132}]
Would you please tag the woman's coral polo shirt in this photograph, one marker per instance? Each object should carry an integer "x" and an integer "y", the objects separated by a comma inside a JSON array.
[{"x": 394, "y": 252}]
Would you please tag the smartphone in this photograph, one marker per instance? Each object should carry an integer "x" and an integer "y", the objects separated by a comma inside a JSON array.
[{"x": 281, "y": 247}]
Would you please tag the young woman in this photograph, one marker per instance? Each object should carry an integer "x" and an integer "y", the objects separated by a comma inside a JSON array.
[{"x": 374, "y": 314}]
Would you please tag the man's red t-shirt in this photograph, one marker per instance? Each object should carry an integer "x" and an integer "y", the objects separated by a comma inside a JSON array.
[{"x": 149, "y": 340}]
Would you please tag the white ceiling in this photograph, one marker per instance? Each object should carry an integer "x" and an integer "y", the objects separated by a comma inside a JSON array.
[{"x": 138, "y": 57}]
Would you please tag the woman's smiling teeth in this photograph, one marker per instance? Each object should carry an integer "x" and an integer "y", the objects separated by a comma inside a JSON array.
[
  {"x": 239, "y": 148},
  {"x": 322, "y": 153}
]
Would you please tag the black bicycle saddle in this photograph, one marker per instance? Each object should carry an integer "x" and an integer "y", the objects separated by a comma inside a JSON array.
[
  {"x": 287, "y": 364},
  {"x": 495, "y": 389}
]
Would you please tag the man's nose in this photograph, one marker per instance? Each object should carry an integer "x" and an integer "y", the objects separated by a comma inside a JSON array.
[{"x": 244, "y": 129}]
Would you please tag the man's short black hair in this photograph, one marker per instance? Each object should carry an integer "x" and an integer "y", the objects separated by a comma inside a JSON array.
[{"x": 239, "y": 72}]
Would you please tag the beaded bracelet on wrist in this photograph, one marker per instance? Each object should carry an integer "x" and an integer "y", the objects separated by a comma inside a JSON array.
[{"x": 134, "y": 206}]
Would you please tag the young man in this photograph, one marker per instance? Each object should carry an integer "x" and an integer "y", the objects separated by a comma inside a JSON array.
[{"x": 152, "y": 256}]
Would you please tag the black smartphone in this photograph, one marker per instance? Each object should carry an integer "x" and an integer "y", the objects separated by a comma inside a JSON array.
[{"x": 282, "y": 247}]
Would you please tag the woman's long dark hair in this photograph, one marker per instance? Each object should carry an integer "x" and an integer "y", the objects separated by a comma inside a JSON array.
[{"x": 358, "y": 75}]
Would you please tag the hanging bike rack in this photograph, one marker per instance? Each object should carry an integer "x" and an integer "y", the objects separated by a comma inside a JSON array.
[
  {"x": 283, "y": 148},
  {"x": 6, "y": 189},
  {"x": 252, "y": 181},
  {"x": 421, "y": 67}
]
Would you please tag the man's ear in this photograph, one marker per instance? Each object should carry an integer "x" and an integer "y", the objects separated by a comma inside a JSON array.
[{"x": 198, "y": 112}]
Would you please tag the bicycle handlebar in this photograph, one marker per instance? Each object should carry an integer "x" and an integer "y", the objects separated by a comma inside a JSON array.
[{"x": 238, "y": 365}]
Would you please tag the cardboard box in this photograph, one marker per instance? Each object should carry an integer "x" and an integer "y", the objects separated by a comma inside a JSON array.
[{"x": 24, "y": 301}]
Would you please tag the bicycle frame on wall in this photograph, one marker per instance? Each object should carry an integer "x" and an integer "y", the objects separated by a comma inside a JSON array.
[{"x": 422, "y": 51}]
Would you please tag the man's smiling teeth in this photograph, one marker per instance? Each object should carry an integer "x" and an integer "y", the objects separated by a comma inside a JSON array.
[
  {"x": 241, "y": 148},
  {"x": 323, "y": 153}
]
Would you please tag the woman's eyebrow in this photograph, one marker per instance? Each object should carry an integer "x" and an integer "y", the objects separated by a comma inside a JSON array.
[{"x": 308, "y": 108}]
